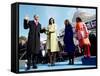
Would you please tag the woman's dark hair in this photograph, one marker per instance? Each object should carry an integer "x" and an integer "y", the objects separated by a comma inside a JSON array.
[
  {"x": 78, "y": 19},
  {"x": 50, "y": 21},
  {"x": 67, "y": 21}
]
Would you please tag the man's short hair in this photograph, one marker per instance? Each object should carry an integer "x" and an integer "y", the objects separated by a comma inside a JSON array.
[{"x": 36, "y": 15}]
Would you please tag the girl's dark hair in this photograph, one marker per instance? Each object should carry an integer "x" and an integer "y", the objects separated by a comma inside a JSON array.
[
  {"x": 78, "y": 19},
  {"x": 50, "y": 21}
]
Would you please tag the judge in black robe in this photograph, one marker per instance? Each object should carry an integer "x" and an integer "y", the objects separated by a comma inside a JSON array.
[{"x": 33, "y": 44}]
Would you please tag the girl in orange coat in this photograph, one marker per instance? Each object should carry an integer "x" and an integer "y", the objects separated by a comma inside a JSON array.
[{"x": 82, "y": 35}]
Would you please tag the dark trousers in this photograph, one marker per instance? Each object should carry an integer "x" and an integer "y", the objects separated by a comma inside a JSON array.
[{"x": 32, "y": 59}]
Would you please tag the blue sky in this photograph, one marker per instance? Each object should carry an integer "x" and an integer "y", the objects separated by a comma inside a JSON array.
[{"x": 45, "y": 12}]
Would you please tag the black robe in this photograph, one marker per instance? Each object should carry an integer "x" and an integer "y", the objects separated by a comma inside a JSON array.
[{"x": 33, "y": 44}]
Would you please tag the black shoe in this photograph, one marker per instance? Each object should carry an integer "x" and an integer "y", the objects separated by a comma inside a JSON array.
[
  {"x": 49, "y": 64},
  {"x": 28, "y": 68},
  {"x": 34, "y": 67},
  {"x": 52, "y": 64},
  {"x": 69, "y": 63}
]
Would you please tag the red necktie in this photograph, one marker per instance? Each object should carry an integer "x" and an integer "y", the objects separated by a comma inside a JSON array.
[{"x": 36, "y": 23}]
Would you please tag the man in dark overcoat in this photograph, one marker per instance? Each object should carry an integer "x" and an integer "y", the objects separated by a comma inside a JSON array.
[{"x": 33, "y": 44}]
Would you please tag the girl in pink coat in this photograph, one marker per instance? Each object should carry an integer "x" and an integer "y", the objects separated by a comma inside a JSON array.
[{"x": 82, "y": 34}]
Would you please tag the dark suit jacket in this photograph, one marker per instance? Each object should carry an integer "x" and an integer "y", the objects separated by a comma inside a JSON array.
[{"x": 33, "y": 44}]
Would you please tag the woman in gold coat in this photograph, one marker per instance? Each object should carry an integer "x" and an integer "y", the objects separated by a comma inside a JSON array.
[{"x": 52, "y": 42}]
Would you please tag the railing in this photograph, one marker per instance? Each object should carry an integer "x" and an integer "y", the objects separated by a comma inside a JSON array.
[{"x": 23, "y": 53}]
